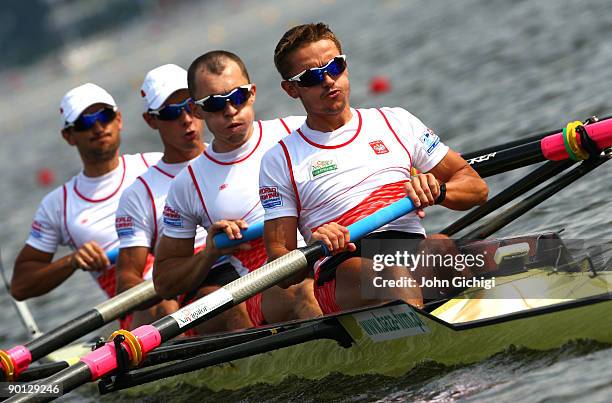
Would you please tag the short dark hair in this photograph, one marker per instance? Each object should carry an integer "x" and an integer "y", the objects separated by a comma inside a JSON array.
[
  {"x": 214, "y": 62},
  {"x": 297, "y": 37}
]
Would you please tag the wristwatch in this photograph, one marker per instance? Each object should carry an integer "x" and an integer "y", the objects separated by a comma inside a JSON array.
[{"x": 442, "y": 194}]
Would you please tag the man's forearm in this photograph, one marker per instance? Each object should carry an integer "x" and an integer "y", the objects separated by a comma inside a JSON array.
[
  {"x": 33, "y": 278},
  {"x": 127, "y": 280},
  {"x": 465, "y": 191},
  {"x": 177, "y": 275}
]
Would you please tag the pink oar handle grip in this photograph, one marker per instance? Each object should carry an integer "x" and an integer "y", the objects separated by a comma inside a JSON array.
[
  {"x": 104, "y": 360},
  {"x": 553, "y": 148}
]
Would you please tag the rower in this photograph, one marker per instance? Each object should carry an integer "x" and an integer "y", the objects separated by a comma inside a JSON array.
[
  {"x": 81, "y": 213},
  {"x": 219, "y": 191},
  {"x": 139, "y": 216},
  {"x": 344, "y": 163}
]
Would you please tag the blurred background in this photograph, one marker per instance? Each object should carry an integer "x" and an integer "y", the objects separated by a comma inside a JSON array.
[{"x": 478, "y": 72}]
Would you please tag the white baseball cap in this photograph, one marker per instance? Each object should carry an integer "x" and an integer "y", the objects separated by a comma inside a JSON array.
[
  {"x": 80, "y": 98},
  {"x": 160, "y": 83}
]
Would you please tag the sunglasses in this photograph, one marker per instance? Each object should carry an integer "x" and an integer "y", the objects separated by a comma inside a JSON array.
[
  {"x": 316, "y": 75},
  {"x": 216, "y": 103},
  {"x": 172, "y": 111},
  {"x": 85, "y": 122}
]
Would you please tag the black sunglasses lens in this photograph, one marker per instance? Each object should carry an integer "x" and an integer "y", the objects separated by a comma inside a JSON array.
[
  {"x": 311, "y": 78},
  {"x": 216, "y": 103},
  {"x": 239, "y": 97},
  {"x": 213, "y": 104},
  {"x": 172, "y": 112}
]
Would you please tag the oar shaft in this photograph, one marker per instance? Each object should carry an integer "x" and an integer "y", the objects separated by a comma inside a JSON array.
[
  {"x": 91, "y": 320},
  {"x": 507, "y": 160},
  {"x": 533, "y": 200},
  {"x": 548, "y": 148},
  {"x": 541, "y": 174}
]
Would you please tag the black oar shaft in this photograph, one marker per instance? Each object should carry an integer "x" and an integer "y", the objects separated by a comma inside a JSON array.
[
  {"x": 533, "y": 200},
  {"x": 91, "y": 320},
  {"x": 518, "y": 188},
  {"x": 317, "y": 331},
  {"x": 68, "y": 332},
  {"x": 510, "y": 144},
  {"x": 508, "y": 159},
  {"x": 515, "y": 143},
  {"x": 69, "y": 379}
]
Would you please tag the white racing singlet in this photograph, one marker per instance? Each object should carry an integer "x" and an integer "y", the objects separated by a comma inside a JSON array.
[
  {"x": 218, "y": 186},
  {"x": 349, "y": 173},
  {"x": 83, "y": 210}
]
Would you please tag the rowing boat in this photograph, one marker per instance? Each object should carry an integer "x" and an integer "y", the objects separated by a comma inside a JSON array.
[
  {"x": 391, "y": 339},
  {"x": 471, "y": 324}
]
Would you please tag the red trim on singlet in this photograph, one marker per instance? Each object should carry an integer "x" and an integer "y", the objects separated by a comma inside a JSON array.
[
  {"x": 164, "y": 172},
  {"x": 195, "y": 182},
  {"x": 381, "y": 197},
  {"x": 144, "y": 160},
  {"x": 104, "y": 198},
  {"x": 396, "y": 136},
  {"x": 312, "y": 143},
  {"x": 295, "y": 190},
  {"x": 285, "y": 125},
  {"x": 252, "y": 208},
  {"x": 146, "y": 185},
  {"x": 70, "y": 239},
  {"x": 216, "y": 161}
]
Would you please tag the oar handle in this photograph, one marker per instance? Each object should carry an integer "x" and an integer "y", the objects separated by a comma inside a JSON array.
[
  {"x": 253, "y": 232},
  {"x": 376, "y": 220},
  {"x": 112, "y": 255},
  {"x": 383, "y": 216}
]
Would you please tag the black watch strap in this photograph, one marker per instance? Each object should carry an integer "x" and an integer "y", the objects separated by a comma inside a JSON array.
[{"x": 442, "y": 194}]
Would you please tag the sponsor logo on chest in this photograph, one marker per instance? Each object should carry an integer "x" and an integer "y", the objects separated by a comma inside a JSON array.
[{"x": 322, "y": 167}]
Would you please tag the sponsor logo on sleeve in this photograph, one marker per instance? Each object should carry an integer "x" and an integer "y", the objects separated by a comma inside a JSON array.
[
  {"x": 124, "y": 225},
  {"x": 430, "y": 141},
  {"x": 270, "y": 197},
  {"x": 172, "y": 218},
  {"x": 36, "y": 229},
  {"x": 379, "y": 147}
]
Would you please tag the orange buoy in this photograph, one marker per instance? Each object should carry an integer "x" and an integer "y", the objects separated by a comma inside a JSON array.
[
  {"x": 380, "y": 85},
  {"x": 45, "y": 176}
]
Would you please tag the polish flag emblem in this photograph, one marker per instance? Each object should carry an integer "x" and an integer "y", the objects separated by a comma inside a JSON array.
[{"x": 379, "y": 147}]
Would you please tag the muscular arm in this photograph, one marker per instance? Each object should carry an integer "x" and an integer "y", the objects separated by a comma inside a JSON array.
[
  {"x": 130, "y": 266},
  {"x": 177, "y": 270},
  {"x": 464, "y": 187},
  {"x": 280, "y": 237},
  {"x": 34, "y": 274}
]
